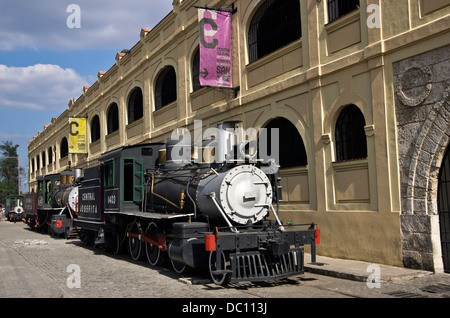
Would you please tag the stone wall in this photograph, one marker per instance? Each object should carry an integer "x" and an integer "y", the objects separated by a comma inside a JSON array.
[{"x": 422, "y": 105}]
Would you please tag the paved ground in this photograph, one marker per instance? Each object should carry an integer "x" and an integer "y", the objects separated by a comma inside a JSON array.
[{"x": 36, "y": 265}]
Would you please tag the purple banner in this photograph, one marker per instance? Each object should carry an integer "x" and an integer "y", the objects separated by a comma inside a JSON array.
[{"x": 215, "y": 48}]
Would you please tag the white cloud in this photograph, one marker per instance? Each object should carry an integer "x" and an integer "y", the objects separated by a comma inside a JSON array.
[
  {"x": 38, "y": 87},
  {"x": 104, "y": 23},
  {"x": 9, "y": 136}
]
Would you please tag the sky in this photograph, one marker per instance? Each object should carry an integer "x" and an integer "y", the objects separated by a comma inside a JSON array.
[{"x": 50, "y": 49}]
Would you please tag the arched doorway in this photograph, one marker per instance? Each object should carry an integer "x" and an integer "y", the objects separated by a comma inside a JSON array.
[{"x": 444, "y": 209}]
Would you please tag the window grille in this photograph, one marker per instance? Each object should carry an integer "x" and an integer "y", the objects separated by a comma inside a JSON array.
[
  {"x": 275, "y": 24},
  {"x": 64, "y": 151},
  {"x": 113, "y": 118},
  {"x": 350, "y": 136},
  {"x": 95, "y": 129},
  {"x": 50, "y": 155},
  {"x": 292, "y": 152},
  {"x": 135, "y": 105},
  {"x": 196, "y": 72},
  {"x": 166, "y": 88},
  {"x": 338, "y": 8}
]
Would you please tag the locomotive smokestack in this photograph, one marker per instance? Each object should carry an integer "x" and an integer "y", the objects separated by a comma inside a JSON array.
[{"x": 227, "y": 138}]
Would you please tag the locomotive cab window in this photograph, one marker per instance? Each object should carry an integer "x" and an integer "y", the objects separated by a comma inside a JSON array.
[
  {"x": 132, "y": 180},
  {"x": 40, "y": 187},
  {"x": 108, "y": 174}
]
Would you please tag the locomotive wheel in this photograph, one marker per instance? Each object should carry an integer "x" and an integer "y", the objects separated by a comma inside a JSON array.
[
  {"x": 154, "y": 254},
  {"x": 222, "y": 278},
  {"x": 135, "y": 244},
  {"x": 115, "y": 243},
  {"x": 178, "y": 267},
  {"x": 32, "y": 224}
]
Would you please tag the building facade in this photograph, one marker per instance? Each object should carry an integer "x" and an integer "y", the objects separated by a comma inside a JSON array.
[{"x": 359, "y": 90}]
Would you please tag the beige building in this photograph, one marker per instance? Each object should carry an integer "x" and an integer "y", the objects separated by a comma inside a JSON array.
[{"x": 359, "y": 90}]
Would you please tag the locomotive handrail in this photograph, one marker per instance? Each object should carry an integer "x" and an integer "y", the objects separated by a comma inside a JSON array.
[
  {"x": 276, "y": 216},
  {"x": 192, "y": 200},
  {"x": 160, "y": 196},
  {"x": 212, "y": 195}
]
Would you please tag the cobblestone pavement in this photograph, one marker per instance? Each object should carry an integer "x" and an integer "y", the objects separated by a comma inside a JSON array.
[{"x": 36, "y": 265}]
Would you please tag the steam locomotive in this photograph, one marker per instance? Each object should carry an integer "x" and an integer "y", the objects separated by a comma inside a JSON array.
[
  {"x": 14, "y": 208},
  {"x": 205, "y": 206},
  {"x": 53, "y": 206}
]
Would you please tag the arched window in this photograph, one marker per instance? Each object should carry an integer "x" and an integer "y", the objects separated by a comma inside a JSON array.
[
  {"x": 113, "y": 118},
  {"x": 64, "y": 148},
  {"x": 350, "y": 136},
  {"x": 38, "y": 163},
  {"x": 50, "y": 155},
  {"x": 292, "y": 152},
  {"x": 275, "y": 24},
  {"x": 166, "y": 88},
  {"x": 43, "y": 159},
  {"x": 135, "y": 105},
  {"x": 196, "y": 71},
  {"x": 95, "y": 129}
]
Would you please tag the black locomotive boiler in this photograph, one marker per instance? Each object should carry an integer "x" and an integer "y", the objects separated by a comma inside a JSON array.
[{"x": 164, "y": 201}]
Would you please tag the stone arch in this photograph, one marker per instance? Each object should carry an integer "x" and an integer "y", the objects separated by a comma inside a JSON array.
[
  {"x": 426, "y": 158},
  {"x": 422, "y": 106},
  {"x": 420, "y": 219}
]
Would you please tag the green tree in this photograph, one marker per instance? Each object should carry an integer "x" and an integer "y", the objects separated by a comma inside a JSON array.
[{"x": 8, "y": 170}]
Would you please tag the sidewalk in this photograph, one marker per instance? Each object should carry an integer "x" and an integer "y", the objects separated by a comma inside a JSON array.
[{"x": 360, "y": 271}]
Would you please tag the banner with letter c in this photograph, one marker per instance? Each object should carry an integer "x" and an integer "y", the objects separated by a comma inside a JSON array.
[
  {"x": 215, "y": 48},
  {"x": 77, "y": 135}
]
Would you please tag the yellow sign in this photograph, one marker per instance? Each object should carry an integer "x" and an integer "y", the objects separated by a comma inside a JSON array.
[{"x": 77, "y": 135}]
